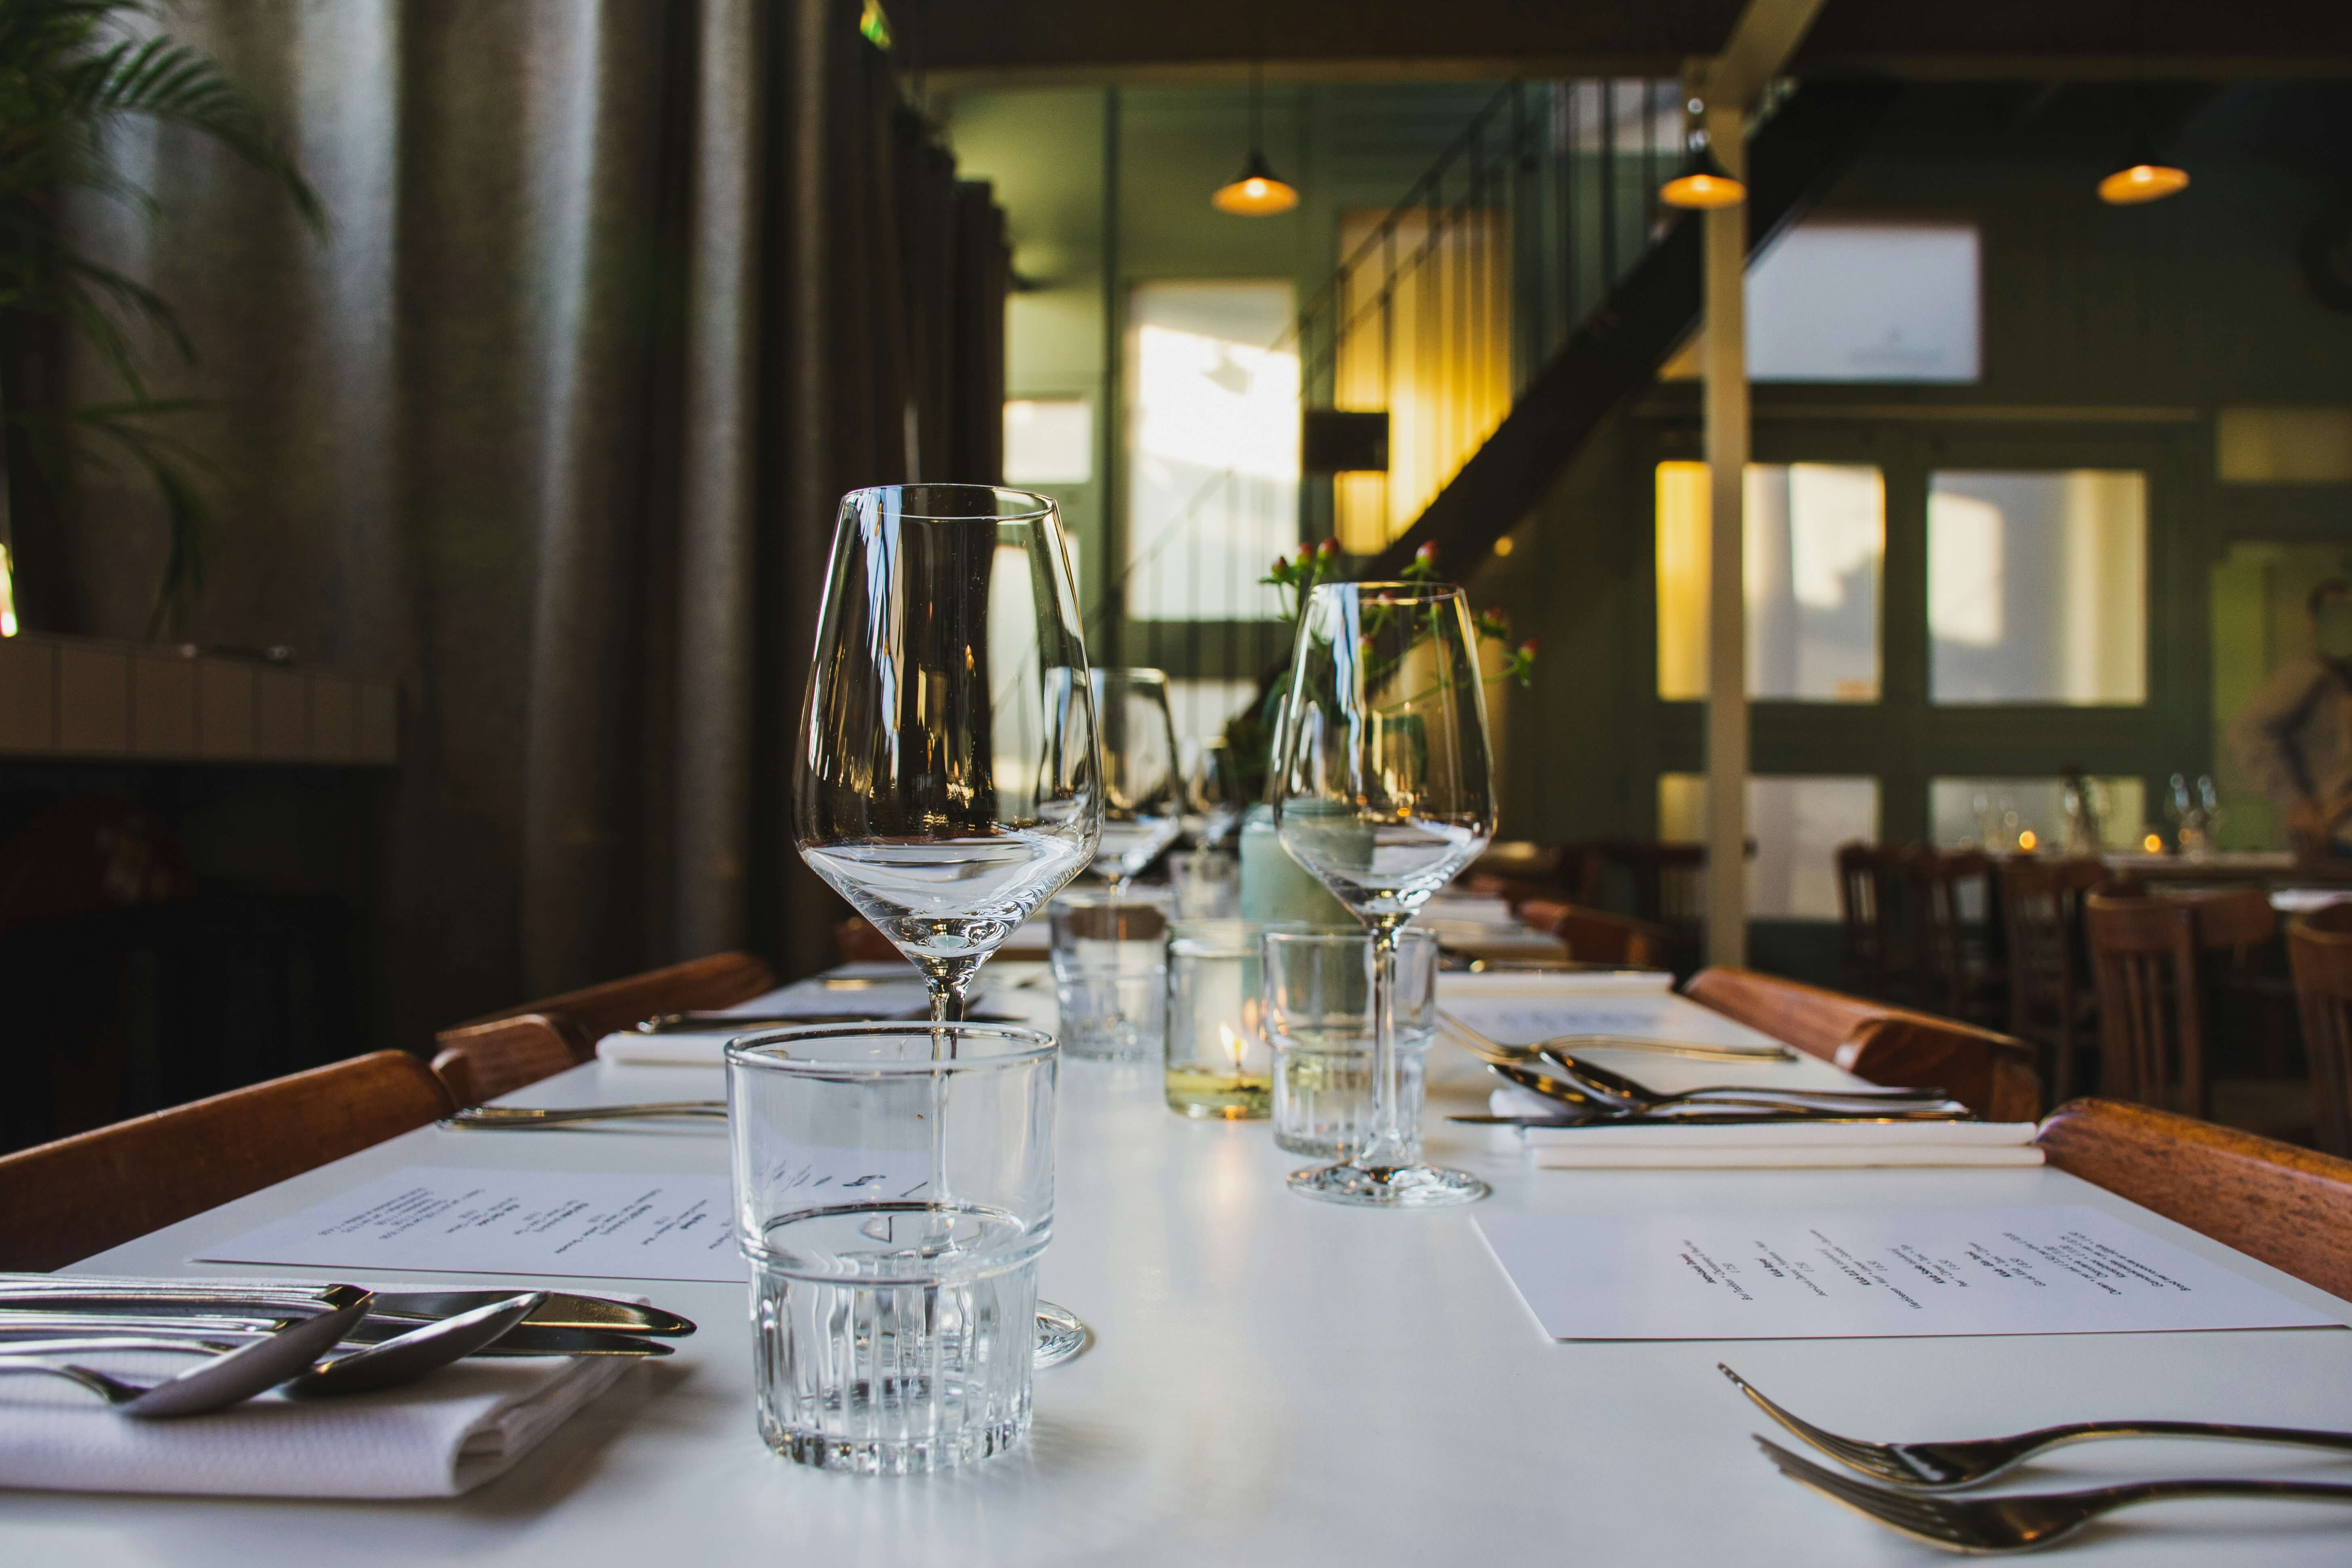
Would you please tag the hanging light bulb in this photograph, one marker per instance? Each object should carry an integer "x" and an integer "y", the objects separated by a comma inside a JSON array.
[
  {"x": 1704, "y": 182},
  {"x": 1257, "y": 190},
  {"x": 2144, "y": 177}
]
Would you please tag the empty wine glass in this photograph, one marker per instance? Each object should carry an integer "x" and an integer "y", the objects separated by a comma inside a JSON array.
[
  {"x": 948, "y": 781},
  {"x": 1215, "y": 797},
  {"x": 1143, "y": 788},
  {"x": 1383, "y": 789}
]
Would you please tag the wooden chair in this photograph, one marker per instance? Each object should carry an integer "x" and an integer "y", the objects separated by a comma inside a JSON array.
[
  {"x": 62, "y": 1202},
  {"x": 479, "y": 1062},
  {"x": 2290, "y": 1208},
  {"x": 2051, "y": 1000},
  {"x": 1958, "y": 971},
  {"x": 1862, "y": 918},
  {"x": 586, "y": 1015},
  {"x": 1569, "y": 873},
  {"x": 2151, "y": 1000},
  {"x": 2236, "y": 930},
  {"x": 2319, "y": 948},
  {"x": 1989, "y": 1073},
  {"x": 1596, "y": 936}
]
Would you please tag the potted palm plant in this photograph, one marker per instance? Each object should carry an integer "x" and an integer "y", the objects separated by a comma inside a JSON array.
[{"x": 72, "y": 73}]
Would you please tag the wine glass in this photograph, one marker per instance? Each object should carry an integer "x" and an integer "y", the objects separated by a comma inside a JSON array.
[
  {"x": 948, "y": 778},
  {"x": 1143, "y": 788},
  {"x": 1384, "y": 788},
  {"x": 1216, "y": 803}
]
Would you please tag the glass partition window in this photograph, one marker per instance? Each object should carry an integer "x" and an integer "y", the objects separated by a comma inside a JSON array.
[
  {"x": 1797, "y": 825},
  {"x": 2037, "y": 587},
  {"x": 2005, "y": 815},
  {"x": 1213, "y": 438},
  {"x": 1049, "y": 441},
  {"x": 1814, "y": 541}
]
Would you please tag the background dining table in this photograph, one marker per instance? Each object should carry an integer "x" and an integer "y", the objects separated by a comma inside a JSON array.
[{"x": 1277, "y": 1380}]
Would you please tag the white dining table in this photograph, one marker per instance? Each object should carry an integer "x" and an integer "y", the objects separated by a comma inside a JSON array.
[{"x": 1277, "y": 1380}]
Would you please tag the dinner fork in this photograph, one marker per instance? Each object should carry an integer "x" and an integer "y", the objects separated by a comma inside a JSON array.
[
  {"x": 1948, "y": 1466},
  {"x": 1999, "y": 1524}
]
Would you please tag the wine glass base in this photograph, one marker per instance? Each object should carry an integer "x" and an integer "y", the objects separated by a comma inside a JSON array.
[
  {"x": 1061, "y": 1334},
  {"x": 1388, "y": 1186}
]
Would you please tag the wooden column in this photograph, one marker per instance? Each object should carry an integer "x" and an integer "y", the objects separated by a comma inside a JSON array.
[{"x": 1724, "y": 365}]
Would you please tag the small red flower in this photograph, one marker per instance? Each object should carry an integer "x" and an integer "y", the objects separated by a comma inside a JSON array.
[
  {"x": 1330, "y": 547},
  {"x": 1427, "y": 553},
  {"x": 1528, "y": 648}
]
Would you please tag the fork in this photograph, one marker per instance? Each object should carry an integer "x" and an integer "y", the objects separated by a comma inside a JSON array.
[
  {"x": 1948, "y": 1466},
  {"x": 1997, "y": 1524}
]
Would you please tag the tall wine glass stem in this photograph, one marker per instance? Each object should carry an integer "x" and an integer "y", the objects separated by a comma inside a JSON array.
[
  {"x": 1389, "y": 1145},
  {"x": 948, "y": 983}
]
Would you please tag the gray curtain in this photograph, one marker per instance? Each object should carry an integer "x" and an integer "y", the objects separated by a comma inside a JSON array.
[{"x": 620, "y": 295}]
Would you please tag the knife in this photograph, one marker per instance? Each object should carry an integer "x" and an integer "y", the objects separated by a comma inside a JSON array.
[
  {"x": 563, "y": 1308},
  {"x": 525, "y": 1339},
  {"x": 1636, "y": 1118}
]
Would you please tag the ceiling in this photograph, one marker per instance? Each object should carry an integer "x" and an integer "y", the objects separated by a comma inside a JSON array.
[{"x": 1008, "y": 42}]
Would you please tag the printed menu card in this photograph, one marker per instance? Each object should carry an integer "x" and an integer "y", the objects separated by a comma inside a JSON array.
[{"x": 1869, "y": 1273}]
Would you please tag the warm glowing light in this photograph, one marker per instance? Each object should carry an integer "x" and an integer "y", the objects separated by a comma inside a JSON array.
[
  {"x": 8, "y": 594},
  {"x": 1504, "y": 546},
  {"x": 2142, "y": 183},
  {"x": 1700, "y": 190},
  {"x": 1255, "y": 192},
  {"x": 1233, "y": 1044},
  {"x": 2026, "y": 841},
  {"x": 2153, "y": 844}
]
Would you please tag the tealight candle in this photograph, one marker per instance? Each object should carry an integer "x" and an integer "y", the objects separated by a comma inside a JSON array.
[{"x": 1219, "y": 1065}]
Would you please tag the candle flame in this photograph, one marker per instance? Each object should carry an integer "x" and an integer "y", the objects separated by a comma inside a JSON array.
[{"x": 1233, "y": 1044}]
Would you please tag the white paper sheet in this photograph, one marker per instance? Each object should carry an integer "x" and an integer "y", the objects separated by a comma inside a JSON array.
[
  {"x": 1525, "y": 1018},
  {"x": 447, "y": 1219},
  {"x": 1866, "y": 1274}
]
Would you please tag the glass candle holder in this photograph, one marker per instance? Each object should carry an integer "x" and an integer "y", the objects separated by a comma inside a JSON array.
[
  {"x": 1219, "y": 1066},
  {"x": 1318, "y": 1018}
]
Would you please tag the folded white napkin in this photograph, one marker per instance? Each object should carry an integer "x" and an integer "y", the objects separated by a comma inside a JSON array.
[
  {"x": 895, "y": 991},
  {"x": 1506, "y": 983},
  {"x": 437, "y": 1438},
  {"x": 1652, "y": 1145}
]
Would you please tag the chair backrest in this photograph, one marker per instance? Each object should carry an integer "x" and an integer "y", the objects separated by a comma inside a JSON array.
[
  {"x": 2036, "y": 908},
  {"x": 1991, "y": 1073},
  {"x": 61, "y": 1202},
  {"x": 2238, "y": 921},
  {"x": 2319, "y": 948},
  {"x": 1597, "y": 936},
  {"x": 2290, "y": 1208},
  {"x": 1861, "y": 915},
  {"x": 2151, "y": 999},
  {"x": 479, "y": 1062},
  {"x": 860, "y": 941},
  {"x": 586, "y": 1015},
  {"x": 1668, "y": 879}
]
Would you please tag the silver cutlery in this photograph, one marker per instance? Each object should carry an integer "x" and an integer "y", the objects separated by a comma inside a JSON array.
[
  {"x": 80, "y": 1294},
  {"x": 1948, "y": 1466},
  {"x": 1787, "y": 1104},
  {"x": 1605, "y": 1084},
  {"x": 1619, "y": 1043},
  {"x": 1731, "y": 1118},
  {"x": 223, "y": 1380},
  {"x": 481, "y": 1116},
  {"x": 744, "y": 1023},
  {"x": 528, "y": 1338},
  {"x": 2020, "y": 1523},
  {"x": 406, "y": 1357}
]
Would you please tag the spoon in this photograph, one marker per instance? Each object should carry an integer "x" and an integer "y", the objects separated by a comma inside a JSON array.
[
  {"x": 411, "y": 1355},
  {"x": 225, "y": 1380}
]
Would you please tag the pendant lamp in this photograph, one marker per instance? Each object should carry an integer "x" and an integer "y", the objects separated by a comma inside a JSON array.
[
  {"x": 1704, "y": 182},
  {"x": 1257, "y": 190}
]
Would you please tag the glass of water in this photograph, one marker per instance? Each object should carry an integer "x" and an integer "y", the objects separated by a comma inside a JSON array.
[
  {"x": 894, "y": 1186},
  {"x": 1110, "y": 967},
  {"x": 1317, "y": 1016}
]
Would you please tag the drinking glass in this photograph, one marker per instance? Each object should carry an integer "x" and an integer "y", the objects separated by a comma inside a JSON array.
[
  {"x": 1216, "y": 802},
  {"x": 949, "y": 779},
  {"x": 1382, "y": 788},
  {"x": 1110, "y": 966},
  {"x": 894, "y": 1186},
  {"x": 1317, "y": 1016},
  {"x": 1143, "y": 788}
]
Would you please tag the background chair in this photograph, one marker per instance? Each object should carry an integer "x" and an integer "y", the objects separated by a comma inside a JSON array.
[
  {"x": 479, "y": 1062},
  {"x": 2151, "y": 1000},
  {"x": 2319, "y": 948},
  {"x": 1862, "y": 918},
  {"x": 2290, "y": 1208},
  {"x": 2050, "y": 999},
  {"x": 1991, "y": 1074},
  {"x": 1957, "y": 960},
  {"x": 1596, "y": 936},
  {"x": 61, "y": 1202}
]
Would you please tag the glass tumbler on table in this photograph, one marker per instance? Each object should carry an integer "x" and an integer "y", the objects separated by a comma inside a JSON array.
[
  {"x": 1317, "y": 1016},
  {"x": 1110, "y": 966},
  {"x": 894, "y": 1186},
  {"x": 1382, "y": 788}
]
